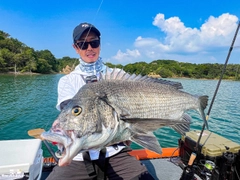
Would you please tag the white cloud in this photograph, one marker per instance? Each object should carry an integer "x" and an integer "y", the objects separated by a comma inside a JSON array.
[
  {"x": 127, "y": 57},
  {"x": 215, "y": 32},
  {"x": 210, "y": 40}
]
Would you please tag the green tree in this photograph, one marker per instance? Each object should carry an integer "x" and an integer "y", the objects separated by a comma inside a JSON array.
[
  {"x": 7, "y": 62},
  {"x": 2, "y": 63},
  {"x": 110, "y": 65},
  {"x": 43, "y": 66},
  {"x": 136, "y": 68},
  {"x": 67, "y": 61},
  {"x": 165, "y": 73},
  {"x": 49, "y": 57},
  {"x": 3, "y": 35},
  {"x": 30, "y": 64}
]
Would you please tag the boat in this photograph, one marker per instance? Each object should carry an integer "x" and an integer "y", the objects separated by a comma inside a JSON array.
[
  {"x": 199, "y": 155},
  {"x": 218, "y": 158}
]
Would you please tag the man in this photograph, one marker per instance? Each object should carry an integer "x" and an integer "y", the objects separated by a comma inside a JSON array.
[{"x": 113, "y": 162}]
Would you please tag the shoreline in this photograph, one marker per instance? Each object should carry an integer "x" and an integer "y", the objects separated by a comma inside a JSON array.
[
  {"x": 153, "y": 76},
  {"x": 25, "y": 73},
  {"x": 19, "y": 73}
]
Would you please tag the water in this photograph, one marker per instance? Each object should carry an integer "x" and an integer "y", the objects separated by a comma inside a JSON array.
[{"x": 28, "y": 102}]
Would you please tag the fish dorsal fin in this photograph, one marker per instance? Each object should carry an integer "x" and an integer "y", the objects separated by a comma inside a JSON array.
[{"x": 120, "y": 74}]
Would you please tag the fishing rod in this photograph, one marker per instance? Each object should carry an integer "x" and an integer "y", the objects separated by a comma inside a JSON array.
[
  {"x": 219, "y": 82},
  {"x": 188, "y": 171}
]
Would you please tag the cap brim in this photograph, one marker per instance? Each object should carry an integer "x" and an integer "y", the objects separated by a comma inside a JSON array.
[{"x": 92, "y": 29}]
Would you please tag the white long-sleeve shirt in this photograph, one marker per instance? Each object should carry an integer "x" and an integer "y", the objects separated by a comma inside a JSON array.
[{"x": 68, "y": 86}]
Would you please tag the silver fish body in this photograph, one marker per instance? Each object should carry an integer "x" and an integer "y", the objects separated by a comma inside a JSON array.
[{"x": 124, "y": 107}]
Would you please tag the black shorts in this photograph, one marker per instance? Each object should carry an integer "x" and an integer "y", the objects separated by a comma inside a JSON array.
[{"x": 120, "y": 166}]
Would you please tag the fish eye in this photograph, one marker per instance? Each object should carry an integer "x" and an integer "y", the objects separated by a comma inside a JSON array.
[{"x": 76, "y": 110}]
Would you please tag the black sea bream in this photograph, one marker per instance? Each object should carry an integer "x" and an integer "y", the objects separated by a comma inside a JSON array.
[{"x": 122, "y": 107}]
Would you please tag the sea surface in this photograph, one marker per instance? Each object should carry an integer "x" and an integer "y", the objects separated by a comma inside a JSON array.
[{"x": 28, "y": 102}]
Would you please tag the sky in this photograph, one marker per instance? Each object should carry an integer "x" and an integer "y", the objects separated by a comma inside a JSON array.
[{"x": 194, "y": 31}]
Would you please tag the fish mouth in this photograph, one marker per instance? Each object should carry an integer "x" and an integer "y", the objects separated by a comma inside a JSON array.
[
  {"x": 70, "y": 143},
  {"x": 61, "y": 152},
  {"x": 68, "y": 146}
]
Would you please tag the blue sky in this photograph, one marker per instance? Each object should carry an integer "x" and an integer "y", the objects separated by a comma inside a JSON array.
[{"x": 132, "y": 30}]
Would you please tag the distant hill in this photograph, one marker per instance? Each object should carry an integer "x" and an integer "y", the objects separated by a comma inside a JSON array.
[{"x": 15, "y": 56}]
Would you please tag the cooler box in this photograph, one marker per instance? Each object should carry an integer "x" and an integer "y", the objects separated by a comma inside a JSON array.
[
  {"x": 211, "y": 145},
  {"x": 223, "y": 152},
  {"x": 21, "y": 159}
]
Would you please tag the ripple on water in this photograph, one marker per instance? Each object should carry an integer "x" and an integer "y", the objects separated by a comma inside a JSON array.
[{"x": 28, "y": 102}]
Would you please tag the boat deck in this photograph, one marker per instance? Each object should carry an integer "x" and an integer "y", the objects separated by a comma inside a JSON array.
[
  {"x": 160, "y": 168},
  {"x": 163, "y": 169}
]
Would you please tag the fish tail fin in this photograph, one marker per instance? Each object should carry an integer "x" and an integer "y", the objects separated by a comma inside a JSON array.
[
  {"x": 185, "y": 126},
  {"x": 203, "y": 102}
]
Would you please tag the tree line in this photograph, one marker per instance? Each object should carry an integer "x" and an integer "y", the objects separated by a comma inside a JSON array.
[
  {"x": 15, "y": 56},
  {"x": 174, "y": 69}
]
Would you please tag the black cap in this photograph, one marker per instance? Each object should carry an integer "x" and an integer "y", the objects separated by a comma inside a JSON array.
[{"x": 81, "y": 28}]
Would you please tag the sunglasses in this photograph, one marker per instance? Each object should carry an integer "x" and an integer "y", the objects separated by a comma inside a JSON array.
[{"x": 84, "y": 45}]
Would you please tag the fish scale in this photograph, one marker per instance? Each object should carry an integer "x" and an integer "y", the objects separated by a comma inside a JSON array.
[
  {"x": 146, "y": 100},
  {"x": 123, "y": 107}
]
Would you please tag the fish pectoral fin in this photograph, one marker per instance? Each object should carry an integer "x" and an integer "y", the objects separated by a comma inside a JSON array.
[
  {"x": 184, "y": 126},
  {"x": 148, "y": 141}
]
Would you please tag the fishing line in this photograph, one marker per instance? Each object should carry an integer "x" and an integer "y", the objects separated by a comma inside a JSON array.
[
  {"x": 93, "y": 21},
  {"x": 219, "y": 82},
  {"x": 94, "y": 18}
]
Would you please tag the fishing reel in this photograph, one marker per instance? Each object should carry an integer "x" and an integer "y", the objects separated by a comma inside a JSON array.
[
  {"x": 223, "y": 167},
  {"x": 208, "y": 168}
]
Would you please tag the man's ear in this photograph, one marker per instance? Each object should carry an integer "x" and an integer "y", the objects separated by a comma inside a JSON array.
[{"x": 76, "y": 48}]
